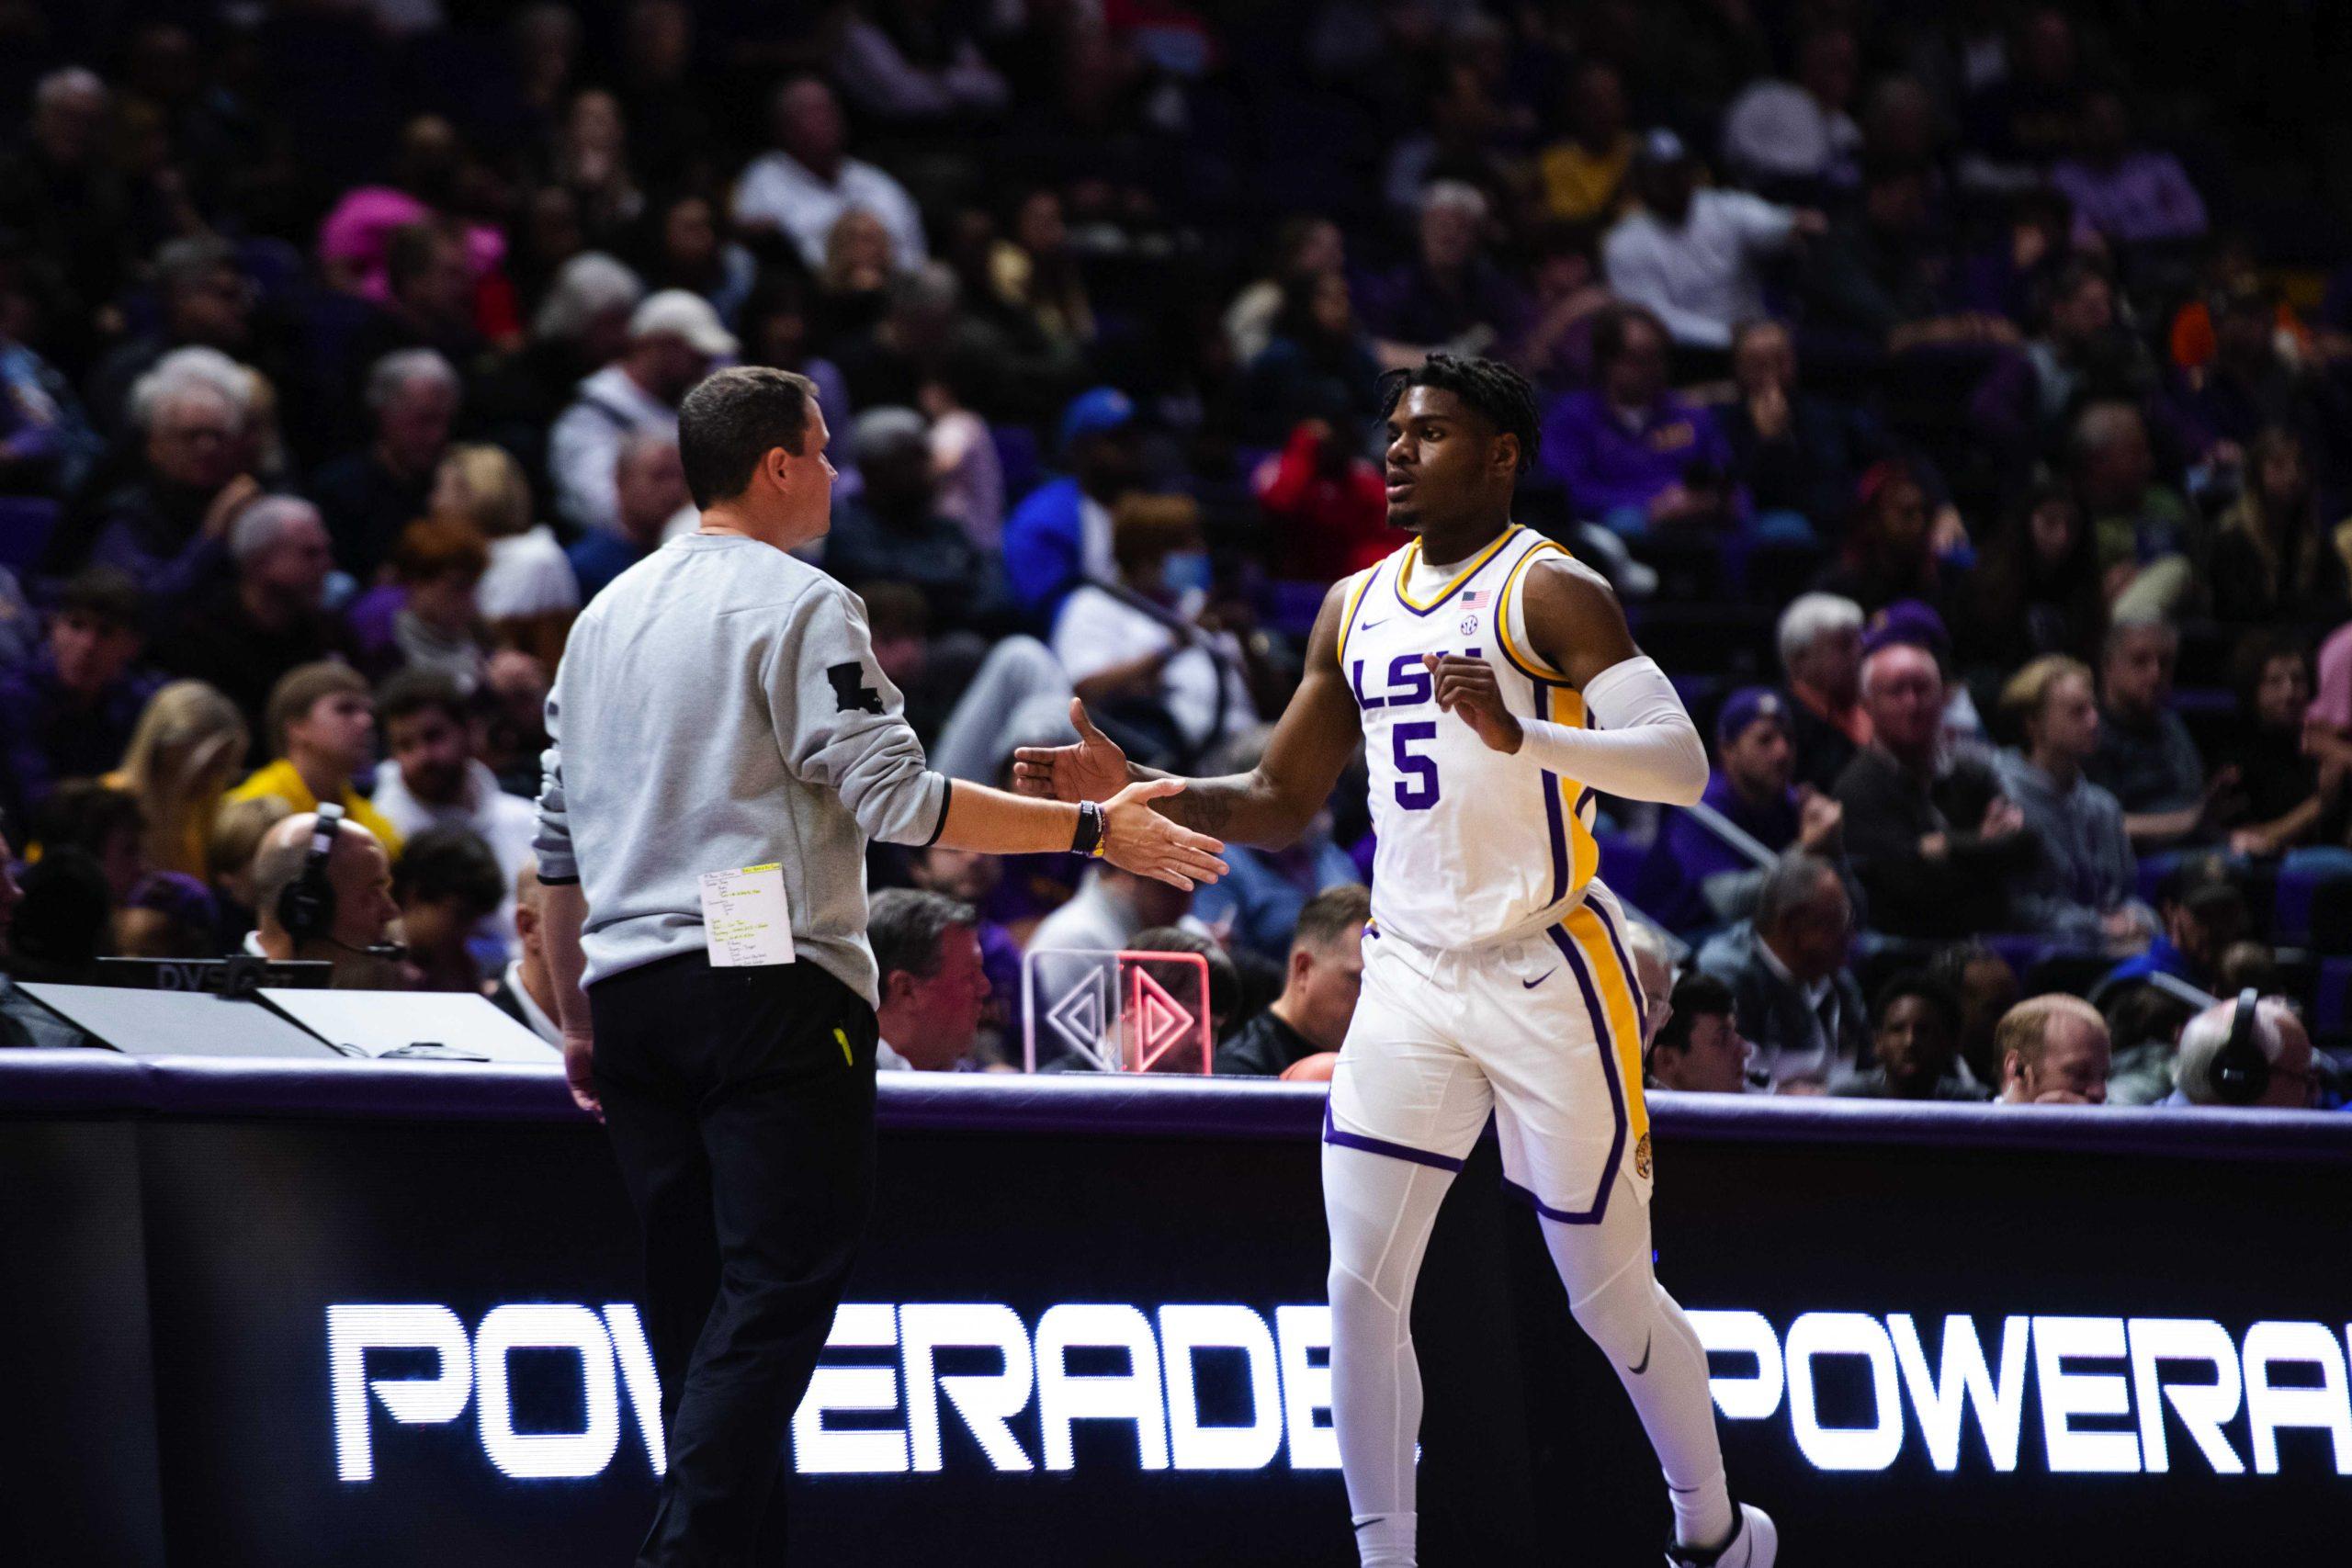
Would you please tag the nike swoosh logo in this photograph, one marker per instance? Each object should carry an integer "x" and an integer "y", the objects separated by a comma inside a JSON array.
[
  {"x": 1531, "y": 985},
  {"x": 1637, "y": 1372},
  {"x": 1368, "y": 1524},
  {"x": 1367, "y": 625}
]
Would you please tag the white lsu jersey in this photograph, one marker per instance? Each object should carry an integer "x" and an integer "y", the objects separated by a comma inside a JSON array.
[{"x": 1475, "y": 845}]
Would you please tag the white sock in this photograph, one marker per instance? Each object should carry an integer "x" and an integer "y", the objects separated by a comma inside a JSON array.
[
  {"x": 1702, "y": 1515},
  {"x": 1385, "y": 1541}
]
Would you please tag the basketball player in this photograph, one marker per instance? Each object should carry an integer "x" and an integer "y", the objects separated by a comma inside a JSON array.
[{"x": 1495, "y": 688}]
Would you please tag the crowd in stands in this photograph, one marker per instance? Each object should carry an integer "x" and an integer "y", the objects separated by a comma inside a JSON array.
[{"x": 1959, "y": 395}]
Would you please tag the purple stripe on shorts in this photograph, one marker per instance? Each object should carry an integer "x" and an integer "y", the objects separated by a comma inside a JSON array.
[
  {"x": 1331, "y": 1135},
  {"x": 1575, "y": 955}
]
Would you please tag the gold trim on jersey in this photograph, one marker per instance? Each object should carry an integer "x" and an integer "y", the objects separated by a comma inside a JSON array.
[
  {"x": 1584, "y": 927},
  {"x": 1527, "y": 663},
  {"x": 1412, "y": 553},
  {"x": 1348, "y": 622}
]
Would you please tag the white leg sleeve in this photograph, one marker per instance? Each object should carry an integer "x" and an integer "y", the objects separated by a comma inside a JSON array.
[
  {"x": 1381, "y": 1211},
  {"x": 1619, "y": 1302}
]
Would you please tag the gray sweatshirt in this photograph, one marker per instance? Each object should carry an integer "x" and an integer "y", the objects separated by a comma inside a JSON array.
[{"x": 718, "y": 707}]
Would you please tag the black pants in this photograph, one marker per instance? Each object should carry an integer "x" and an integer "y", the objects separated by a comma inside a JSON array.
[{"x": 740, "y": 1105}]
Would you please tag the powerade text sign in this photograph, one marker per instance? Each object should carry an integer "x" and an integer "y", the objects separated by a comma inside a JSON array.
[{"x": 1227, "y": 1387}]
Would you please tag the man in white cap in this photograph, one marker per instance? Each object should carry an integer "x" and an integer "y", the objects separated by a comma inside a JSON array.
[{"x": 673, "y": 341}]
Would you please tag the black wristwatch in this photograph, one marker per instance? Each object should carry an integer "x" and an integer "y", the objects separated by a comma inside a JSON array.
[{"x": 1089, "y": 839}]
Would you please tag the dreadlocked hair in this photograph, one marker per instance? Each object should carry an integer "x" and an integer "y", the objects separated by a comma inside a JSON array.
[{"x": 1489, "y": 385}]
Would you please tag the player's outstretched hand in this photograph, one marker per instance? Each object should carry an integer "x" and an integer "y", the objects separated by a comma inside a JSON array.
[
  {"x": 1466, "y": 686},
  {"x": 1137, "y": 839},
  {"x": 1094, "y": 769}
]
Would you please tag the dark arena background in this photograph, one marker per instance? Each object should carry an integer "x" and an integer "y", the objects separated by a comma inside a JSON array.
[{"x": 1956, "y": 395}]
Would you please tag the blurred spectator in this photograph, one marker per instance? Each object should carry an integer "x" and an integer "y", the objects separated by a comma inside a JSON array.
[
  {"x": 963, "y": 450},
  {"x": 580, "y": 327},
  {"x": 1820, "y": 642},
  {"x": 591, "y": 161},
  {"x": 271, "y": 616},
  {"x": 2078, "y": 886},
  {"x": 359, "y": 878},
  {"x": 1110, "y": 907},
  {"x": 915, "y": 60},
  {"x": 1987, "y": 987},
  {"x": 1319, "y": 362},
  {"x": 1796, "y": 137},
  {"x": 69, "y": 711},
  {"x": 2053, "y": 1051},
  {"x": 853, "y": 287},
  {"x": 776, "y": 332},
  {"x": 2202, "y": 912},
  {"x": 2145, "y": 756},
  {"x": 2140, "y": 527},
  {"x": 2025, "y": 404},
  {"x": 2036, "y": 588},
  {"x": 689, "y": 253},
  {"x": 1061, "y": 532},
  {"x": 166, "y": 916},
  {"x": 1916, "y": 1040},
  {"x": 20, "y": 629},
  {"x": 62, "y": 925},
  {"x": 1323, "y": 974},
  {"x": 1795, "y": 451},
  {"x": 1305, "y": 246},
  {"x": 1181, "y": 981},
  {"x": 1889, "y": 552},
  {"x": 1927, "y": 874},
  {"x": 650, "y": 490},
  {"x": 1689, "y": 255},
  {"x": 1634, "y": 454},
  {"x": 2287, "y": 1082},
  {"x": 673, "y": 340},
  {"x": 1038, "y": 279},
  {"x": 2288, "y": 799},
  {"x": 927, "y": 953},
  {"x": 203, "y": 298},
  {"x": 238, "y": 828},
  {"x": 446, "y": 884},
  {"x": 1330, "y": 502},
  {"x": 1693, "y": 878},
  {"x": 525, "y": 991},
  {"x": 2276, "y": 562},
  {"x": 2147, "y": 1021},
  {"x": 1259, "y": 904},
  {"x": 188, "y": 743},
  {"x": 61, "y": 188},
  {"x": 1568, "y": 296},
  {"x": 1794, "y": 998},
  {"x": 101, "y": 821},
  {"x": 528, "y": 594},
  {"x": 321, "y": 723},
  {"x": 976, "y": 879},
  {"x": 1700, "y": 1049},
  {"x": 1161, "y": 668},
  {"x": 168, "y": 527},
  {"x": 1583, "y": 174},
  {"x": 893, "y": 531},
  {"x": 1653, "y": 955},
  {"x": 1883, "y": 282},
  {"x": 1452, "y": 295},
  {"x": 2024, "y": 115},
  {"x": 369, "y": 495},
  {"x": 802, "y": 187},
  {"x": 433, "y": 622},
  {"x": 46, "y": 445},
  {"x": 510, "y": 721},
  {"x": 433, "y": 779},
  {"x": 2135, "y": 197},
  {"x": 430, "y": 269},
  {"x": 2249, "y": 381}
]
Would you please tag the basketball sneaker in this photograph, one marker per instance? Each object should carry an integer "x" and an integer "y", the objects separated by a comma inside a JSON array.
[{"x": 1755, "y": 1543}]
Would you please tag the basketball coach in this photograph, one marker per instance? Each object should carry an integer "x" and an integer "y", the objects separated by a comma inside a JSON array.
[{"x": 723, "y": 747}]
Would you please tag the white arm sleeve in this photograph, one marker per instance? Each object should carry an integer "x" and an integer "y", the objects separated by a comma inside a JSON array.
[{"x": 1644, "y": 746}]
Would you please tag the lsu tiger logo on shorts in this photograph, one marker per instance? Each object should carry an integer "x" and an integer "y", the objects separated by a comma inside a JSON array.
[{"x": 1642, "y": 1158}]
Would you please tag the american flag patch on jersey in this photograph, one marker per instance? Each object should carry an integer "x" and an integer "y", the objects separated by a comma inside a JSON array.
[{"x": 1476, "y": 597}]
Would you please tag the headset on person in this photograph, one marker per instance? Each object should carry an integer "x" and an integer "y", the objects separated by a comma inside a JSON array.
[
  {"x": 306, "y": 905},
  {"x": 2240, "y": 1073}
]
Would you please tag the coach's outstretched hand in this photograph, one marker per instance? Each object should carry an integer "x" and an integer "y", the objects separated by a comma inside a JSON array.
[
  {"x": 1466, "y": 686},
  {"x": 1137, "y": 839},
  {"x": 1094, "y": 769}
]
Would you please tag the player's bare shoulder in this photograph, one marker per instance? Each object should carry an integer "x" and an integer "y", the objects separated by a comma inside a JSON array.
[{"x": 1574, "y": 619}]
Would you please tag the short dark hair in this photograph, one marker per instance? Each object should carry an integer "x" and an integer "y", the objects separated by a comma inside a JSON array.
[
  {"x": 1225, "y": 980},
  {"x": 450, "y": 863},
  {"x": 1332, "y": 916},
  {"x": 1500, "y": 394},
  {"x": 906, "y": 925},
  {"x": 103, "y": 593},
  {"x": 735, "y": 418},
  {"x": 1927, "y": 988},
  {"x": 1696, "y": 995},
  {"x": 84, "y": 814},
  {"x": 409, "y": 249},
  {"x": 1788, "y": 885},
  {"x": 413, "y": 691},
  {"x": 299, "y": 690}
]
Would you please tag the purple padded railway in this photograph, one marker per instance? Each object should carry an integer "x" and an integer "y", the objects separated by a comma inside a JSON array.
[{"x": 74, "y": 1083}]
